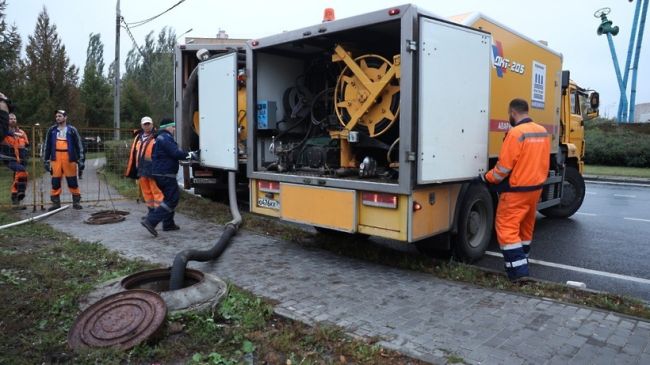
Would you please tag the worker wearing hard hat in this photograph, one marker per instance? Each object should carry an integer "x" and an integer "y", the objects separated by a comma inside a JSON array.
[
  {"x": 140, "y": 165},
  {"x": 520, "y": 172}
]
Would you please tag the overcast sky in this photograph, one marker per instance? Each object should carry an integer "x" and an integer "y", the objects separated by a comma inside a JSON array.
[{"x": 568, "y": 26}]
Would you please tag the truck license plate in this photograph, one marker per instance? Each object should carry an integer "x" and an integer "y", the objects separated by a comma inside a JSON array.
[
  {"x": 268, "y": 203},
  {"x": 205, "y": 180}
]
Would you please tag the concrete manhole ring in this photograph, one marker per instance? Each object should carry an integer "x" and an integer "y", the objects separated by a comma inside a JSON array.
[{"x": 202, "y": 290}]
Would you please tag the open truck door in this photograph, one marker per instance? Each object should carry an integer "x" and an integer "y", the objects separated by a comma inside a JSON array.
[{"x": 218, "y": 112}]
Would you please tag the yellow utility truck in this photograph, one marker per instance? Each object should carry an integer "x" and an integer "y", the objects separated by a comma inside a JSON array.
[{"x": 379, "y": 124}]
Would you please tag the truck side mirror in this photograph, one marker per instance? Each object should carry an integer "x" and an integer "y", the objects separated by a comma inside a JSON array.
[
  {"x": 594, "y": 100},
  {"x": 594, "y": 103}
]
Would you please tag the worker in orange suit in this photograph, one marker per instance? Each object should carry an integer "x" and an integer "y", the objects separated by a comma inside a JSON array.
[
  {"x": 63, "y": 156},
  {"x": 140, "y": 164},
  {"x": 16, "y": 143},
  {"x": 519, "y": 175}
]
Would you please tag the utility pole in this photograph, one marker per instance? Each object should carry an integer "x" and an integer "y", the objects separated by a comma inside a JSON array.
[{"x": 116, "y": 95}]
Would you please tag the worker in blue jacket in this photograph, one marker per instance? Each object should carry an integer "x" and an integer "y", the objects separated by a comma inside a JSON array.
[{"x": 165, "y": 157}]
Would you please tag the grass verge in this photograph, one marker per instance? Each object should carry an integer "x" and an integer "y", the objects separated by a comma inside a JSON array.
[
  {"x": 617, "y": 171},
  {"x": 44, "y": 273}
]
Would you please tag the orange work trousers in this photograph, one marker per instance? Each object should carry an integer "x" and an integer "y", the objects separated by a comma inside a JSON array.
[
  {"x": 150, "y": 192},
  {"x": 515, "y": 218},
  {"x": 61, "y": 167},
  {"x": 515, "y": 222}
]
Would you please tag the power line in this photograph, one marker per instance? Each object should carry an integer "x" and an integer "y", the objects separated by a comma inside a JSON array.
[
  {"x": 128, "y": 31},
  {"x": 145, "y": 21}
]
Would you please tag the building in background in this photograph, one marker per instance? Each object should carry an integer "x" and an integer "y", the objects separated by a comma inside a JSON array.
[{"x": 642, "y": 113}]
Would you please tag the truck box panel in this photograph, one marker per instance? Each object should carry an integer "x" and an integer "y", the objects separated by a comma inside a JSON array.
[
  {"x": 325, "y": 207},
  {"x": 437, "y": 210},
  {"x": 521, "y": 68}
]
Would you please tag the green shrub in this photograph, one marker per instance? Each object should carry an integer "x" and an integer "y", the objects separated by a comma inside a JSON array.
[
  {"x": 613, "y": 144},
  {"x": 117, "y": 155}
]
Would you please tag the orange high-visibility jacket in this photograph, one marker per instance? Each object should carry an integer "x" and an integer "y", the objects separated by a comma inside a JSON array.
[
  {"x": 140, "y": 161},
  {"x": 524, "y": 158},
  {"x": 18, "y": 142}
]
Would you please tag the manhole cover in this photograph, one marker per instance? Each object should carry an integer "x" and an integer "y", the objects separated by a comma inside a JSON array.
[
  {"x": 121, "y": 321},
  {"x": 106, "y": 217}
]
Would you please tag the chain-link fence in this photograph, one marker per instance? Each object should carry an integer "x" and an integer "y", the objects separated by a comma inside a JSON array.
[{"x": 107, "y": 154}]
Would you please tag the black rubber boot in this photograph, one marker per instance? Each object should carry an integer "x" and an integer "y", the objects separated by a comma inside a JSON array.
[
  {"x": 56, "y": 203},
  {"x": 15, "y": 202},
  {"x": 76, "y": 199}
]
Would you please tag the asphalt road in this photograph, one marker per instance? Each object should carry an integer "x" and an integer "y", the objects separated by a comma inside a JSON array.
[{"x": 605, "y": 245}]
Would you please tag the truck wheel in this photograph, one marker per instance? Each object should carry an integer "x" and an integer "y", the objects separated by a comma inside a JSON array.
[
  {"x": 573, "y": 193},
  {"x": 475, "y": 221}
]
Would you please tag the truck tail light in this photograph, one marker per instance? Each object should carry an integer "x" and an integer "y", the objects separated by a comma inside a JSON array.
[
  {"x": 392, "y": 12},
  {"x": 379, "y": 200},
  {"x": 268, "y": 186},
  {"x": 255, "y": 43}
]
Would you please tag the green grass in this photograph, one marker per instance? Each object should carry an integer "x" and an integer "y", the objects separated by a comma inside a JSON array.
[{"x": 617, "y": 171}]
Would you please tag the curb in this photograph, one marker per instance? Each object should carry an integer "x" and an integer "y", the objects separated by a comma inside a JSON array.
[{"x": 617, "y": 179}]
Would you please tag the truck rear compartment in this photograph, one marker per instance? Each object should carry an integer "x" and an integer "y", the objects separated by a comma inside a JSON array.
[{"x": 299, "y": 110}]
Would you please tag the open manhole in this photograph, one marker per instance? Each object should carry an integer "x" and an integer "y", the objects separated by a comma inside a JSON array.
[
  {"x": 158, "y": 280},
  {"x": 200, "y": 290},
  {"x": 122, "y": 320}
]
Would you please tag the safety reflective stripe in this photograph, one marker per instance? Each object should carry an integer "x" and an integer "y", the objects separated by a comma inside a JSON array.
[
  {"x": 503, "y": 169},
  {"x": 166, "y": 207},
  {"x": 525, "y": 243},
  {"x": 532, "y": 135},
  {"x": 517, "y": 263},
  {"x": 511, "y": 246},
  {"x": 498, "y": 177}
]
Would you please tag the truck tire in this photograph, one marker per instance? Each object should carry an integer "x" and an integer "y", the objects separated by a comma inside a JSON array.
[
  {"x": 573, "y": 193},
  {"x": 475, "y": 223}
]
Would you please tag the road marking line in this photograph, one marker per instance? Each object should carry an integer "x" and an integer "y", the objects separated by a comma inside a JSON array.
[
  {"x": 624, "y": 196},
  {"x": 617, "y": 183},
  {"x": 590, "y": 193},
  {"x": 637, "y": 219},
  {"x": 589, "y": 214},
  {"x": 579, "y": 269}
]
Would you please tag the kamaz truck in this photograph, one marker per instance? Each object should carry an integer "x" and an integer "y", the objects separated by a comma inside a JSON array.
[{"x": 380, "y": 123}]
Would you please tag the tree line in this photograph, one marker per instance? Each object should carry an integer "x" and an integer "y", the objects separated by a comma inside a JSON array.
[{"x": 45, "y": 80}]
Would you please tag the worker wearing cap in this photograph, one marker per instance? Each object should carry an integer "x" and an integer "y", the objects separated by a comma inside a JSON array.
[
  {"x": 519, "y": 175},
  {"x": 140, "y": 165},
  {"x": 17, "y": 141},
  {"x": 166, "y": 155},
  {"x": 63, "y": 155}
]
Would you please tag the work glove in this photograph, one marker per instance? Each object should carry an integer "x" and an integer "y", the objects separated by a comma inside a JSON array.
[
  {"x": 192, "y": 155},
  {"x": 46, "y": 165},
  {"x": 481, "y": 178},
  {"x": 81, "y": 165}
]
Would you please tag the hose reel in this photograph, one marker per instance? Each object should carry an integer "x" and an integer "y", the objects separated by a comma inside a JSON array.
[{"x": 367, "y": 92}]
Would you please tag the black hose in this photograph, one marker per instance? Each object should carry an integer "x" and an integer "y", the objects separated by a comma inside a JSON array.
[
  {"x": 188, "y": 106},
  {"x": 181, "y": 259}
]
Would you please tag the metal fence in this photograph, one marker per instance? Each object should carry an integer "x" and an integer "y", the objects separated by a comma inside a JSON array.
[{"x": 107, "y": 152}]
